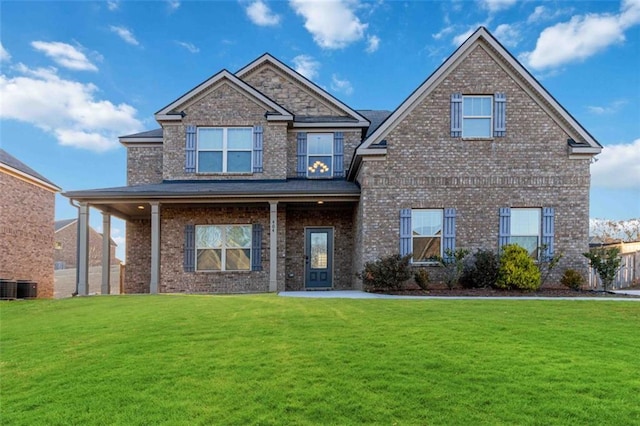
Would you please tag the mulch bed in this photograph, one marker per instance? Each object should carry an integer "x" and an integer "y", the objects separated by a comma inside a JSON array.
[{"x": 490, "y": 292}]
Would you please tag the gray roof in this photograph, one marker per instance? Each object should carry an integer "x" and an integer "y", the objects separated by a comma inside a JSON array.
[
  {"x": 155, "y": 133},
  {"x": 323, "y": 119},
  {"x": 13, "y": 162},
  {"x": 222, "y": 189},
  {"x": 59, "y": 224},
  {"x": 376, "y": 117}
]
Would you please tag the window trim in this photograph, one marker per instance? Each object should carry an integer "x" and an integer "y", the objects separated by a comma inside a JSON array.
[
  {"x": 223, "y": 248},
  {"x": 464, "y": 117},
  {"x": 536, "y": 255},
  {"x": 441, "y": 236},
  {"x": 225, "y": 150},
  {"x": 308, "y": 156}
]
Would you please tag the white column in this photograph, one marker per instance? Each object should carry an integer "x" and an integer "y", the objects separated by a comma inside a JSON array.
[
  {"x": 155, "y": 248},
  {"x": 83, "y": 250},
  {"x": 106, "y": 253},
  {"x": 273, "y": 246}
]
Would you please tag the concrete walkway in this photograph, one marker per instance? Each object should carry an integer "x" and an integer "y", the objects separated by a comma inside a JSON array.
[{"x": 356, "y": 294}]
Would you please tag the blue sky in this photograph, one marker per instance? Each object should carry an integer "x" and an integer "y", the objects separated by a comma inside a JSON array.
[{"x": 76, "y": 75}]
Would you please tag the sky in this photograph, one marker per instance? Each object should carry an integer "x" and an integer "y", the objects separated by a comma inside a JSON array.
[{"x": 75, "y": 75}]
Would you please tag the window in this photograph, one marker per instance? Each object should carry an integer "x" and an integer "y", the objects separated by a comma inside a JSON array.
[
  {"x": 477, "y": 116},
  {"x": 319, "y": 155},
  {"x": 525, "y": 229},
  {"x": 225, "y": 150},
  {"x": 223, "y": 247},
  {"x": 426, "y": 231}
]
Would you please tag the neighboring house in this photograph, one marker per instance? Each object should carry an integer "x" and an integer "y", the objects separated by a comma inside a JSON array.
[
  {"x": 260, "y": 180},
  {"x": 27, "y": 201},
  {"x": 65, "y": 245}
]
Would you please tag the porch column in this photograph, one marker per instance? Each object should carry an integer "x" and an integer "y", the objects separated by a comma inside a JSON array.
[
  {"x": 273, "y": 246},
  {"x": 83, "y": 250},
  {"x": 155, "y": 247},
  {"x": 106, "y": 253}
]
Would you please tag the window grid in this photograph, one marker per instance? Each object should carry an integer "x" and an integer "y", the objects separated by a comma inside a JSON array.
[
  {"x": 526, "y": 229},
  {"x": 477, "y": 116},
  {"x": 224, "y": 149},
  {"x": 426, "y": 235},
  {"x": 319, "y": 155}
]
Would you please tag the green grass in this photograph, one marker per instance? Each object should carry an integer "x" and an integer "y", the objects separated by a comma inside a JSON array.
[{"x": 184, "y": 360}]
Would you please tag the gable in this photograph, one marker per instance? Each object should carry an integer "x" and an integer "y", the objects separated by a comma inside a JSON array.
[
  {"x": 175, "y": 110},
  {"x": 294, "y": 92},
  {"x": 484, "y": 47}
]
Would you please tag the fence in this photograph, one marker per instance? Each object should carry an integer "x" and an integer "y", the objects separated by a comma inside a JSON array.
[{"x": 628, "y": 274}]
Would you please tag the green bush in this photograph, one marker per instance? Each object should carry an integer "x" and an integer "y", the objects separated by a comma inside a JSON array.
[
  {"x": 606, "y": 262},
  {"x": 572, "y": 279},
  {"x": 421, "y": 277},
  {"x": 517, "y": 269},
  {"x": 480, "y": 270},
  {"x": 453, "y": 263},
  {"x": 386, "y": 273}
]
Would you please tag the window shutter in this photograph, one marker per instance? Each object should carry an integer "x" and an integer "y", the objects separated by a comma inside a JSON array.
[
  {"x": 548, "y": 231},
  {"x": 338, "y": 154},
  {"x": 449, "y": 232},
  {"x": 499, "y": 115},
  {"x": 405, "y": 232},
  {"x": 257, "y": 149},
  {"x": 190, "y": 150},
  {"x": 504, "y": 233},
  {"x": 256, "y": 247},
  {"x": 456, "y": 115},
  {"x": 189, "y": 248},
  {"x": 301, "y": 169}
]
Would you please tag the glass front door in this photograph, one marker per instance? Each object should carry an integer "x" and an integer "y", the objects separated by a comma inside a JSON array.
[{"x": 318, "y": 257}]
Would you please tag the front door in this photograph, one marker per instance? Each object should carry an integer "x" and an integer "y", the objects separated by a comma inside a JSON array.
[{"x": 318, "y": 258}]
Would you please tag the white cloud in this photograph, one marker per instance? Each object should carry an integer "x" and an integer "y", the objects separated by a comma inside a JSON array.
[
  {"x": 65, "y": 108},
  {"x": 125, "y": 34},
  {"x": 189, "y": 46},
  {"x": 618, "y": 166},
  {"x": 332, "y": 24},
  {"x": 508, "y": 35},
  {"x": 443, "y": 32},
  {"x": 307, "y": 66},
  {"x": 65, "y": 55},
  {"x": 583, "y": 36},
  {"x": 113, "y": 5},
  {"x": 461, "y": 38},
  {"x": 173, "y": 5},
  {"x": 342, "y": 86},
  {"x": 373, "y": 42},
  {"x": 612, "y": 108},
  {"x": 4, "y": 54},
  {"x": 497, "y": 5},
  {"x": 260, "y": 14}
]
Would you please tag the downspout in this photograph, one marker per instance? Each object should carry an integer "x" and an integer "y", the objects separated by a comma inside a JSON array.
[{"x": 75, "y": 293}]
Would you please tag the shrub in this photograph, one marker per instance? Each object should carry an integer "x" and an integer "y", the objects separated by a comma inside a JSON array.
[
  {"x": 572, "y": 279},
  {"x": 453, "y": 263},
  {"x": 421, "y": 277},
  {"x": 480, "y": 270},
  {"x": 386, "y": 273},
  {"x": 517, "y": 269},
  {"x": 546, "y": 264},
  {"x": 606, "y": 262}
]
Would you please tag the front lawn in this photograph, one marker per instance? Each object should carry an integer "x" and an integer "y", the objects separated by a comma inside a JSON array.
[{"x": 264, "y": 359}]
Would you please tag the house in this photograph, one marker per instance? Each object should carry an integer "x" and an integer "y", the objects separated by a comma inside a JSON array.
[
  {"x": 260, "y": 180},
  {"x": 65, "y": 245},
  {"x": 26, "y": 216}
]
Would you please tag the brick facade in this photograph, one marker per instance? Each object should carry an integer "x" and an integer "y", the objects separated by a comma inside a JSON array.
[
  {"x": 26, "y": 232},
  {"x": 144, "y": 165},
  {"x": 66, "y": 244}
]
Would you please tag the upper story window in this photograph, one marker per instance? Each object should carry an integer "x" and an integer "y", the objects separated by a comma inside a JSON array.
[
  {"x": 224, "y": 149},
  {"x": 320, "y": 155},
  {"x": 477, "y": 116},
  {"x": 223, "y": 247}
]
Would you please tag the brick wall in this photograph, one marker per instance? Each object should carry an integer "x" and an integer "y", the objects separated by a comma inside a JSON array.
[
  {"x": 337, "y": 217},
  {"x": 426, "y": 168},
  {"x": 291, "y": 95},
  {"x": 26, "y": 233},
  {"x": 66, "y": 239},
  {"x": 137, "y": 274},
  {"x": 144, "y": 165},
  {"x": 224, "y": 105}
]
